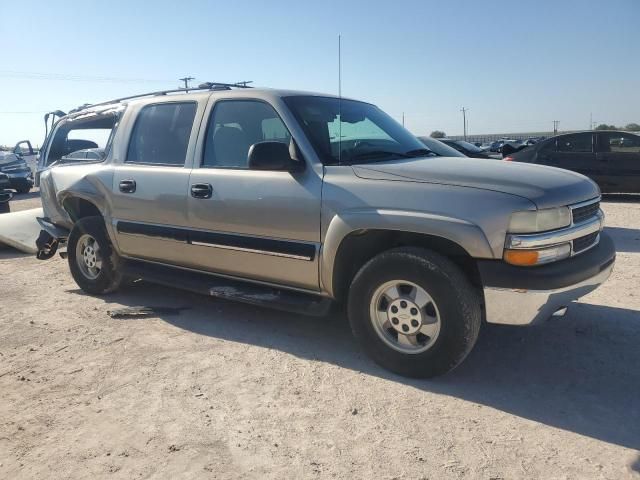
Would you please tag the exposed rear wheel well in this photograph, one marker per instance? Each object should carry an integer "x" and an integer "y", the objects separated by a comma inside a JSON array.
[
  {"x": 361, "y": 246},
  {"x": 78, "y": 208}
]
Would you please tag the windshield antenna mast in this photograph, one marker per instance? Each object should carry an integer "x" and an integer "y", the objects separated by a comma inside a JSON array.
[{"x": 339, "y": 100}]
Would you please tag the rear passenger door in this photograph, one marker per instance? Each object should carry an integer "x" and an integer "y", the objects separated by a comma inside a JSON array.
[
  {"x": 150, "y": 181},
  {"x": 255, "y": 224},
  {"x": 621, "y": 153},
  {"x": 575, "y": 152}
]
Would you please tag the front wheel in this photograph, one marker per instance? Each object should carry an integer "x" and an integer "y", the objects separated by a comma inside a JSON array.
[
  {"x": 93, "y": 263},
  {"x": 414, "y": 312}
]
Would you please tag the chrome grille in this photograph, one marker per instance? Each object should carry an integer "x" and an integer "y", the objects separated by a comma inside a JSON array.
[
  {"x": 585, "y": 212},
  {"x": 581, "y": 244}
]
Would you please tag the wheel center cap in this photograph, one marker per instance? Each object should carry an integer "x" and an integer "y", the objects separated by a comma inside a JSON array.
[{"x": 405, "y": 316}]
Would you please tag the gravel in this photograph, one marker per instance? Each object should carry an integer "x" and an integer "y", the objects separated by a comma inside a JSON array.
[{"x": 224, "y": 390}]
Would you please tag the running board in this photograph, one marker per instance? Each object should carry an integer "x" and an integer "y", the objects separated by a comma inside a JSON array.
[{"x": 229, "y": 289}]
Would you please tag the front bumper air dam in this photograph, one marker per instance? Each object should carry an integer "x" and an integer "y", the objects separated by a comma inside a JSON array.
[{"x": 526, "y": 295}]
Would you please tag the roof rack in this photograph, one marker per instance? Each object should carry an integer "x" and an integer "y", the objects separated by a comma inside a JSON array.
[{"x": 202, "y": 86}]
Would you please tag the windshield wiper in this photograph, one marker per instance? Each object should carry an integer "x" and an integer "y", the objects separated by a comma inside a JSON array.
[
  {"x": 379, "y": 153},
  {"x": 419, "y": 152}
]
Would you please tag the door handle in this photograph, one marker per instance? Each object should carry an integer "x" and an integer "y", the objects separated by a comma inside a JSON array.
[
  {"x": 201, "y": 190},
  {"x": 127, "y": 186}
]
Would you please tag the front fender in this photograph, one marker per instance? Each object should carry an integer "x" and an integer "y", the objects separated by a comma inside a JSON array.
[{"x": 461, "y": 232}]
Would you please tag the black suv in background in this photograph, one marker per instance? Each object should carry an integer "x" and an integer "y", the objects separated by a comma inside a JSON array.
[
  {"x": 5, "y": 195},
  {"x": 610, "y": 158}
]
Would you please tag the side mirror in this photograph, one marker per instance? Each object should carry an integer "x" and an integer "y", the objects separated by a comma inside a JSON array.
[{"x": 272, "y": 156}]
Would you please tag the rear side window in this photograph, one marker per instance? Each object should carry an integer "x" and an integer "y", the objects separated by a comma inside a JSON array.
[
  {"x": 619, "y": 143},
  {"x": 234, "y": 126},
  {"x": 578, "y": 143},
  {"x": 161, "y": 134}
]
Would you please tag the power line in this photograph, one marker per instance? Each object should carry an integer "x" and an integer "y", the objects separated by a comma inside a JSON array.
[{"x": 75, "y": 78}]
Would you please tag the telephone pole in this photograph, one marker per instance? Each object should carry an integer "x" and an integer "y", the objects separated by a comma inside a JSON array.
[
  {"x": 186, "y": 81},
  {"x": 464, "y": 121},
  {"x": 403, "y": 119},
  {"x": 555, "y": 126}
]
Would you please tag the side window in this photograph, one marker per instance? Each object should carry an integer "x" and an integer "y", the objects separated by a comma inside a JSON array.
[
  {"x": 548, "y": 146},
  {"x": 619, "y": 143},
  {"x": 161, "y": 134},
  {"x": 235, "y": 125},
  {"x": 578, "y": 143}
]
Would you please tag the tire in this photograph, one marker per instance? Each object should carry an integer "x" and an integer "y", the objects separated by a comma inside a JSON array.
[
  {"x": 105, "y": 275},
  {"x": 450, "y": 319},
  {"x": 23, "y": 189},
  {"x": 4, "y": 207}
]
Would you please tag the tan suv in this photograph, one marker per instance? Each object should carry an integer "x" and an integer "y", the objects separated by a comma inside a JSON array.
[{"x": 298, "y": 201}]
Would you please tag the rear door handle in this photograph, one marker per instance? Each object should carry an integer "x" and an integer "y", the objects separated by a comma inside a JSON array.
[
  {"x": 127, "y": 186},
  {"x": 201, "y": 190}
]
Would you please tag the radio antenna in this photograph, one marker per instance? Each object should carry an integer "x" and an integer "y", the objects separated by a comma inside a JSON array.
[{"x": 339, "y": 100}]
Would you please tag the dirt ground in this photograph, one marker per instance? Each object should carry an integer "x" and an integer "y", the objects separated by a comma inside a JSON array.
[{"x": 227, "y": 391}]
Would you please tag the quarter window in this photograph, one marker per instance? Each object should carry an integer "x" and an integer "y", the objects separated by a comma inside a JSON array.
[
  {"x": 619, "y": 143},
  {"x": 161, "y": 134},
  {"x": 234, "y": 126},
  {"x": 579, "y": 143}
]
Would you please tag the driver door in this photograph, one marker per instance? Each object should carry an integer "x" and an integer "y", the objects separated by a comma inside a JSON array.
[{"x": 256, "y": 224}]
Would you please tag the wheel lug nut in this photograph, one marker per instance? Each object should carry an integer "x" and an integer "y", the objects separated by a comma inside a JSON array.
[
  {"x": 394, "y": 320},
  {"x": 394, "y": 309},
  {"x": 405, "y": 328},
  {"x": 414, "y": 323},
  {"x": 403, "y": 304},
  {"x": 414, "y": 311}
]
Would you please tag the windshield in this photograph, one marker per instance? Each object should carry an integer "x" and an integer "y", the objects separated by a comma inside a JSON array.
[
  {"x": 347, "y": 132},
  {"x": 440, "y": 148},
  {"x": 469, "y": 146}
]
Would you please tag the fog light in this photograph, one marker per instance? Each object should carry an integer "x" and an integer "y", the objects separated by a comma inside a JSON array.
[{"x": 527, "y": 258}]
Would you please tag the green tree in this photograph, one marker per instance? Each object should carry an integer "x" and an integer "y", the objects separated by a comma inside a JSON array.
[
  {"x": 604, "y": 126},
  {"x": 633, "y": 127},
  {"x": 438, "y": 134}
]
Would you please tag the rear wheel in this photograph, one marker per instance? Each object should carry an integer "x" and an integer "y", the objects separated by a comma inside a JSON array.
[
  {"x": 414, "y": 312},
  {"x": 93, "y": 263},
  {"x": 4, "y": 207}
]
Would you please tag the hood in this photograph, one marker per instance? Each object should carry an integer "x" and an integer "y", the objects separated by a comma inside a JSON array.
[{"x": 545, "y": 186}]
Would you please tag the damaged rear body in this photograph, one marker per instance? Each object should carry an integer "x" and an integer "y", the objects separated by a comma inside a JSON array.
[{"x": 73, "y": 173}]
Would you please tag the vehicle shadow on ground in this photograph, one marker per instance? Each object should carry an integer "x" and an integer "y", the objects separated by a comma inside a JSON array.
[
  {"x": 26, "y": 196},
  {"x": 625, "y": 239},
  {"x": 8, "y": 253},
  {"x": 621, "y": 197},
  {"x": 579, "y": 374}
]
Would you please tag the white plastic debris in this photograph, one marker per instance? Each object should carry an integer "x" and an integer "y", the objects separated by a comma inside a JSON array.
[{"x": 21, "y": 229}]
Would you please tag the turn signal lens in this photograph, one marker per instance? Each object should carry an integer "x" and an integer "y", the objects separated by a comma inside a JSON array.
[
  {"x": 527, "y": 258},
  {"x": 521, "y": 257}
]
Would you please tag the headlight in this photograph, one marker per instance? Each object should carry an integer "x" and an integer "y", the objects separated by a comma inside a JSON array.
[
  {"x": 528, "y": 258},
  {"x": 540, "y": 220}
]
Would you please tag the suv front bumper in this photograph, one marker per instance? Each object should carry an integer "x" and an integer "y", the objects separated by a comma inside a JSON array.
[{"x": 526, "y": 295}]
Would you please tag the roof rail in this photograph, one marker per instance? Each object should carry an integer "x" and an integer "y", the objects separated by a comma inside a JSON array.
[{"x": 202, "y": 86}]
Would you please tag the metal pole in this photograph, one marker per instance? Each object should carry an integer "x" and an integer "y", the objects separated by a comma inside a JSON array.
[{"x": 464, "y": 121}]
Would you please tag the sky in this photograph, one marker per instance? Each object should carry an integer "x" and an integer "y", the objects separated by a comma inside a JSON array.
[{"x": 516, "y": 65}]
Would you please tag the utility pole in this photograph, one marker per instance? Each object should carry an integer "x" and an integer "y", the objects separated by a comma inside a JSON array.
[
  {"x": 555, "y": 126},
  {"x": 403, "y": 119},
  {"x": 464, "y": 121},
  {"x": 186, "y": 81},
  {"x": 590, "y": 120}
]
